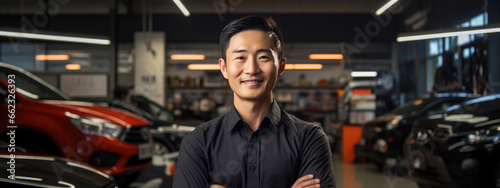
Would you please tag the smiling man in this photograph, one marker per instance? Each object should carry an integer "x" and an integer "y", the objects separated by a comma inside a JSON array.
[{"x": 256, "y": 144}]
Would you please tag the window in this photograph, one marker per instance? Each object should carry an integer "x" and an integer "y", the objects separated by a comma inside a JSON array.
[{"x": 30, "y": 87}]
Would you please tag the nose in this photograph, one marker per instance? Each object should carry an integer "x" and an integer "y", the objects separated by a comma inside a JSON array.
[{"x": 252, "y": 66}]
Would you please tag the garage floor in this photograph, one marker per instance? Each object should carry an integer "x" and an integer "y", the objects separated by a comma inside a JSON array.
[{"x": 347, "y": 175}]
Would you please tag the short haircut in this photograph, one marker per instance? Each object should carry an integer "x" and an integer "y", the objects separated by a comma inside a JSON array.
[{"x": 254, "y": 22}]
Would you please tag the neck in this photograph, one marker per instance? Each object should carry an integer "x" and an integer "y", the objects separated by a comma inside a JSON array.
[{"x": 253, "y": 112}]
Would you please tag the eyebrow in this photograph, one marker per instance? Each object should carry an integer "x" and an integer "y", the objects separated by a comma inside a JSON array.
[{"x": 260, "y": 50}]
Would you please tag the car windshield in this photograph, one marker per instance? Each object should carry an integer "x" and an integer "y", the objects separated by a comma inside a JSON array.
[
  {"x": 412, "y": 106},
  {"x": 31, "y": 86},
  {"x": 479, "y": 107}
]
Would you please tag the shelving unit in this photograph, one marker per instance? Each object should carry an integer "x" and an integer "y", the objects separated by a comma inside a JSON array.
[
  {"x": 312, "y": 103},
  {"x": 359, "y": 102}
]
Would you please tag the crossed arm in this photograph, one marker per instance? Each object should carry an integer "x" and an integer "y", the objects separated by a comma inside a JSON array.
[
  {"x": 316, "y": 162},
  {"x": 306, "y": 181}
]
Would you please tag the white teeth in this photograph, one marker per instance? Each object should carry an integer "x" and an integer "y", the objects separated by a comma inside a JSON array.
[{"x": 251, "y": 82}]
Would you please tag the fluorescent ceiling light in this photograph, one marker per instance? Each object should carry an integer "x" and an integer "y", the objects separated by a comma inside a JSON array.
[
  {"x": 55, "y": 37},
  {"x": 364, "y": 74},
  {"x": 182, "y": 7},
  {"x": 203, "y": 67},
  {"x": 73, "y": 66},
  {"x": 385, "y": 7},
  {"x": 325, "y": 56},
  {"x": 52, "y": 57},
  {"x": 303, "y": 66},
  {"x": 443, "y": 34},
  {"x": 187, "y": 57}
]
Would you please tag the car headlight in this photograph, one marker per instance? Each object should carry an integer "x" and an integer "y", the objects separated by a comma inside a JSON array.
[
  {"x": 476, "y": 138},
  {"x": 394, "y": 122},
  {"x": 489, "y": 135},
  {"x": 484, "y": 135},
  {"x": 95, "y": 126}
]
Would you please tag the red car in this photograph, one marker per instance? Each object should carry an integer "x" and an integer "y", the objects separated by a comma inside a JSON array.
[{"x": 42, "y": 119}]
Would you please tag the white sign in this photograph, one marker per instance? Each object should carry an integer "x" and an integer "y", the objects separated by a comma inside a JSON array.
[
  {"x": 150, "y": 65},
  {"x": 84, "y": 85}
]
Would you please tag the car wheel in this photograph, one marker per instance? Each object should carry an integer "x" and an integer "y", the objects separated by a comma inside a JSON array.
[
  {"x": 160, "y": 149},
  {"x": 43, "y": 144}
]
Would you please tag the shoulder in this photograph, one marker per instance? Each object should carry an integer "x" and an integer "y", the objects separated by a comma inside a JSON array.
[
  {"x": 205, "y": 130},
  {"x": 300, "y": 127}
]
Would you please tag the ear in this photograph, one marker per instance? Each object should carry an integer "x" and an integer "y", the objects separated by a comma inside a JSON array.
[
  {"x": 281, "y": 68},
  {"x": 222, "y": 65}
]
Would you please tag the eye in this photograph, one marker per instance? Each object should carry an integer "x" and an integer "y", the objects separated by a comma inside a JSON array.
[
  {"x": 240, "y": 58},
  {"x": 264, "y": 58}
]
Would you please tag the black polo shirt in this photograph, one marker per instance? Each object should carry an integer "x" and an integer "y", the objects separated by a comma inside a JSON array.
[{"x": 227, "y": 152}]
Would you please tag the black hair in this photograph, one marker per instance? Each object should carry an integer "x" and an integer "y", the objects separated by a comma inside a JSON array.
[{"x": 254, "y": 22}]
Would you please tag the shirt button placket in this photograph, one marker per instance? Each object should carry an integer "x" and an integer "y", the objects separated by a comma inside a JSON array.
[{"x": 253, "y": 162}]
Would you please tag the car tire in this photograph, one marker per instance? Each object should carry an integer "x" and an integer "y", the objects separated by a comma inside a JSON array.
[{"x": 35, "y": 142}]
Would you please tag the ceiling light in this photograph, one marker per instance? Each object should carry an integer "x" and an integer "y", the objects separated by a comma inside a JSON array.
[
  {"x": 52, "y": 57},
  {"x": 304, "y": 66},
  {"x": 55, "y": 37},
  {"x": 187, "y": 57},
  {"x": 451, "y": 33},
  {"x": 182, "y": 7},
  {"x": 203, "y": 67},
  {"x": 73, "y": 66},
  {"x": 325, "y": 56},
  {"x": 364, "y": 74},
  {"x": 385, "y": 7}
]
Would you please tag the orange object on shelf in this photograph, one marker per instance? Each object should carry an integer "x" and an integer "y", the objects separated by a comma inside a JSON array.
[
  {"x": 340, "y": 93},
  {"x": 351, "y": 135},
  {"x": 362, "y": 91}
]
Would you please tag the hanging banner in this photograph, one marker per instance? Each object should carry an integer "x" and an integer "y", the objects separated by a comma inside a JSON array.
[{"x": 150, "y": 65}]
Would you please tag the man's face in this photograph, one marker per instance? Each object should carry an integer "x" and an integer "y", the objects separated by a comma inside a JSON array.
[{"x": 252, "y": 65}]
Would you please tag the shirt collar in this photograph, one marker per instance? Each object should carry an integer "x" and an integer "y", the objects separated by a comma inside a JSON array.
[{"x": 274, "y": 115}]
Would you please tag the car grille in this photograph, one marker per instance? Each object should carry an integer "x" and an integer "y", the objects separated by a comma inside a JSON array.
[
  {"x": 437, "y": 135},
  {"x": 137, "y": 135},
  {"x": 134, "y": 160}
]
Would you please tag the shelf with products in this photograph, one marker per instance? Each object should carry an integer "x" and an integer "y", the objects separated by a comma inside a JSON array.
[
  {"x": 317, "y": 104},
  {"x": 359, "y": 102},
  {"x": 311, "y": 103}
]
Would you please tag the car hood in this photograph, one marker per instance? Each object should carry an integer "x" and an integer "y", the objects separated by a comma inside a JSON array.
[
  {"x": 456, "y": 123},
  {"x": 120, "y": 117},
  {"x": 47, "y": 171},
  {"x": 380, "y": 121}
]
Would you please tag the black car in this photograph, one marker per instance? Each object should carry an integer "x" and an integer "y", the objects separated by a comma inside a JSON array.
[
  {"x": 167, "y": 135},
  {"x": 459, "y": 148},
  {"x": 20, "y": 169},
  {"x": 383, "y": 138}
]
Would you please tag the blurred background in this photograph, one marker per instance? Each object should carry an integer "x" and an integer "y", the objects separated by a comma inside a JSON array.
[{"x": 367, "y": 71}]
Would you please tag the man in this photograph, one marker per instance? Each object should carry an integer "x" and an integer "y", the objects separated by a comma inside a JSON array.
[{"x": 255, "y": 144}]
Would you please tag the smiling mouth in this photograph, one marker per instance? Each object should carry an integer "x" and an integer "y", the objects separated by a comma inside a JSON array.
[{"x": 252, "y": 82}]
